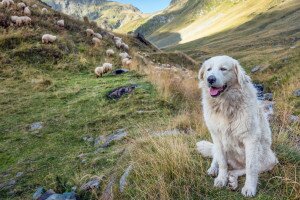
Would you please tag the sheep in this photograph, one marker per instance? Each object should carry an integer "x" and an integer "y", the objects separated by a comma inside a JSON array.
[
  {"x": 27, "y": 11},
  {"x": 99, "y": 71},
  {"x": 124, "y": 55},
  {"x": 89, "y": 32},
  {"x": 14, "y": 19},
  {"x": 61, "y": 23},
  {"x": 44, "y": 11},
  {"x": 110, "y": 52},
  {"x": 117, "y": 39},
  {"x": 125, "y": 46},
  {"x": 118, "y": 44},
  {"x": 7, "y": 3},
  {"x": 96, "y": 41},
  {"x": 21, "y": 6},
  {"x": 25, "y": 19},
  {"x": 47, "y": 38},
  {"x": 98, "y": 35},
  {"x": 107, "y": 67},
  {"x": 126, "y": 62},
  {"x": 34, "y": 6}
]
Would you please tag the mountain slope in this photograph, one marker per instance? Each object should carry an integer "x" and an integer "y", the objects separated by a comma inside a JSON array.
[{"x": 108, "y": 14}]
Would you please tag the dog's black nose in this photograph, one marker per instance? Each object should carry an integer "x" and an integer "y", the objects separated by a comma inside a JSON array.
[{"x": 211, "y": 79}]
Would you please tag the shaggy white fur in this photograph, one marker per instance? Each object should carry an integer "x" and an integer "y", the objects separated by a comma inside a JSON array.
[
  {"x": 239, "y": 129},
  {"x": 47, "y": 38}
]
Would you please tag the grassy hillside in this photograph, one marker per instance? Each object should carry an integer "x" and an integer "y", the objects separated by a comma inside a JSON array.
[{"x": 54, "y": 85}]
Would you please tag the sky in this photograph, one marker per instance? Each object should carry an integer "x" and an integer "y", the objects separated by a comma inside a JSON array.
[{"x": 147, "y": 6}]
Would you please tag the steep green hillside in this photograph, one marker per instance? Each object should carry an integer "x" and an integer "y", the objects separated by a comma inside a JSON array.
[{"x": 108, "y": 14}]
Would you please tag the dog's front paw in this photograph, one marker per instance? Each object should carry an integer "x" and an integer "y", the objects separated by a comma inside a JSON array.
[
  {"x": 232, "y": 182},
  {"x": 213, "y": 171},
  {"x": 220, "y": 181},
  {"x": 248, "y": 191}
]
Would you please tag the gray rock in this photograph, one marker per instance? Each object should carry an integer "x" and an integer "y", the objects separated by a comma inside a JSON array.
[
  {"x": 88, "y": 138},
  {"x": 123, "y": 180},
  {"x": 255, "y": 69},
  {"x": 47, "y": 194},
  {"x": 268, "y": 96},
  {"x": 56, "y": 197},
  {"x": 8, "y": 185},
  {"x": 19, "y": 174},
  {"x": 36, "y": 126},
  {"x": 116, "y": 136},
  {"x": 38, "y": 193},
  {"x": 119, "y": 92},
  {"x": 297, "y": 93},
  {"x": 108, "y": 192},
  {"x": 90, "y": 185},
  {"x": 99, "y": 140},
  {"x": 294, "y": 119},
  {"x": 69, "y": 196},
  {"x": 167, "y": 132}
]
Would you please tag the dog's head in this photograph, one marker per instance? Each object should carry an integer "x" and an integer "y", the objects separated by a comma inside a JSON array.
[{"x": 221, "y": 73}]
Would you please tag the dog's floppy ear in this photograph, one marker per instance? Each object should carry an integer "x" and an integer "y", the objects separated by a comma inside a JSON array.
[
  {"x": 241, "y": 74},
  {"x": 201, "y": 72}
]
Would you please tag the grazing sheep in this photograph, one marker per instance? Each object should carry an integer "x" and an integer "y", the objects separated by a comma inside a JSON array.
[
  {"x": 96, "y": 41},
  {"x": 26, "y": 20},
  {"x": 125, "y": 46},
  {"x": 118, "y": 44},
  {"x": 61, "y": 23},
  {"x": 47, "y": 38},
  {"x": 98, "y": 35},
  {"x": 107, "y": 67},
  {"x": 34, "y": 6},
  {"x": 99, "y": 71},
  {"x": 44, "y": 11},
  {"x": 7, "y": 3},
  {"x": 27, "y": 11},
  {"x": 124, "y": 55},
  {"x": 89, "y": 32},
  {"x": 110, "y": 52},
  {"x": 14, "y": 19},
  {"x": 21, "y": 6},
  {"x": 126, "y": 62}
]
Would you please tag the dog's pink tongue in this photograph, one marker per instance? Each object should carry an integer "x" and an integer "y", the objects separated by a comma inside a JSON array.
[{"x": 214, "y": 91}]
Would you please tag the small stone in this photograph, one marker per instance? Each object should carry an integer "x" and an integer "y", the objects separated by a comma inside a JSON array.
[
  {"x": 255, "y": 69},
  {"x": 119, "y": 92},
  {"x": 36, "y": 126},
  {"x": 88, "y": 138},
  {"x": 19, "y": 174},
  {"x": 123, "y": 180},
  {"x": 297, "y": 93},
  {"x": 167, "y": 132},
  {"x": 268, "y": 96},
  {"x": 294, "y": 119},
  {"x": 8, "y": 185},
  {"x": 69, "y": 195},
  {"x": 90, "y": 185},
  {"x": 99, "y": 140},
  {"x": 38, "y": 193},
  {"x": 117, "y": 135},
  {"x": 47, "y": 194},
  {"x": 56, "y": 197}
]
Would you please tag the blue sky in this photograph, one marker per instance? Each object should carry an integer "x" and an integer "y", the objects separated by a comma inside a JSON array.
[{"x": 147, "y": 6}]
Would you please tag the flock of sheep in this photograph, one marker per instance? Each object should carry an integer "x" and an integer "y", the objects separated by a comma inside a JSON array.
[{"x": 48, "y": 38}]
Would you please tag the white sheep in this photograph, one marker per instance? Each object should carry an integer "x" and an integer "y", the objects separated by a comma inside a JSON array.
[
  {"x": 99, "y": 71},
  {"x": 107, "y": 67},
  {"x": 7, "y": 3},
  {"x": 34, "y": 6},
  {"x": 118, "y": 44},
  {"x": 124, "y": 55},
  {"x": 110, "y": 52},
  {"x": 89, "y": 32},
  {"x": 96, "y": 41},
  {"x": 47, "y": 38},
  {"x": 125, "y": 46},
  {"x": 14, "y": 19},
  {"x": 126, "y": 62},
  {"x": 21, "y": 5},
  {"x": 44, "y": 11},
  {"x": 27, "y": 11},
  {"x": 26, "y": 20},
  {"x": 61, "y": 23},
  {"x": 98, "y": 35}
]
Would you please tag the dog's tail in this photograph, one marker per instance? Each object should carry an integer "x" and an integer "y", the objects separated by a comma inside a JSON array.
[{"x": 205, "y": 148}]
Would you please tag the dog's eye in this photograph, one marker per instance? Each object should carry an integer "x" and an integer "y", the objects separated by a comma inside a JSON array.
[
  {"x": 208, "y": 69},
  {"x": 223, "y": 69}
]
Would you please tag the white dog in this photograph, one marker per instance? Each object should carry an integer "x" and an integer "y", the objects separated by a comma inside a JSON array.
[{"x": 239, "y": 129}]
